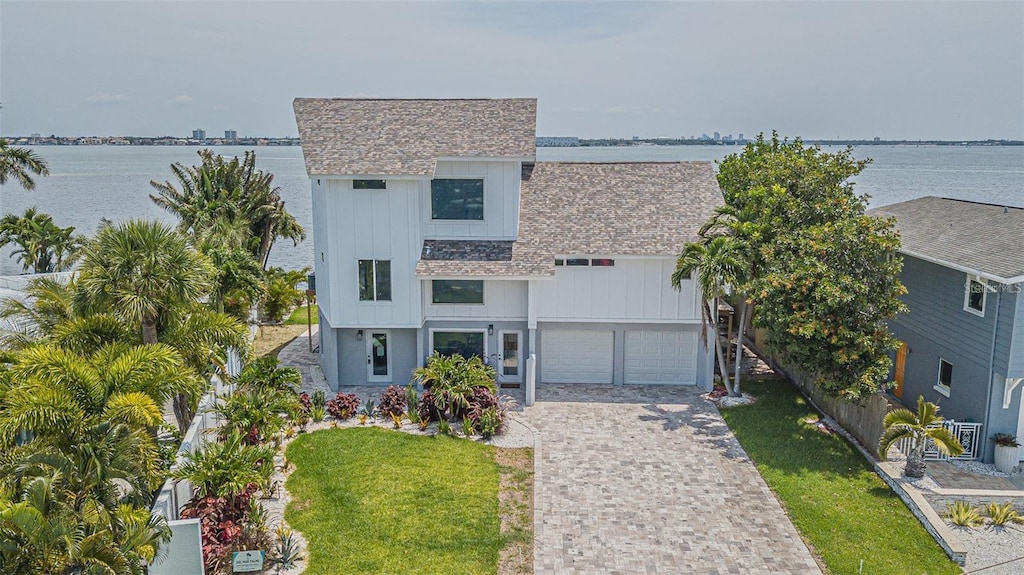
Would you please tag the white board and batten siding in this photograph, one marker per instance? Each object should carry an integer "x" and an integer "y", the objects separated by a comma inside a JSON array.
[
  {"x": 634, "y": 289},
  {"x": 501, "y": 200},
  {"x": 503, "y": 299},
  {"x": 577, "y": 356},
  {"x": 350, "y": 225},
  {"x": 661, "y": 357}
]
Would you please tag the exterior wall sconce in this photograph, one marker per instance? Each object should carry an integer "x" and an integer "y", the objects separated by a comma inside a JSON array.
[
  {"x": 359, "y": 335},
  {"x": 490, "y": 329}
]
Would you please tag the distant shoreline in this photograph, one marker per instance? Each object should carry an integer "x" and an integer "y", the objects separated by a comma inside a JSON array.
[{"x": 580, "y": 143}]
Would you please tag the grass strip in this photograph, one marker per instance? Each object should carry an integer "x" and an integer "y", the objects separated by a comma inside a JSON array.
[{"x": 831, "y": 493}]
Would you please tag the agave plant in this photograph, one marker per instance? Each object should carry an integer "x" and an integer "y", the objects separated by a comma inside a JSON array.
[{"x": 919, "y": 427}]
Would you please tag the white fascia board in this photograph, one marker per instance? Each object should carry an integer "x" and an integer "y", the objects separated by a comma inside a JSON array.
[
  {"x": 378, "y": 326},
  {"x": 965, "y": 269},
  {"x": 487, "y": 278},
  {"x": 486, "y": 159},
  {"x": 369, "y": 177}
]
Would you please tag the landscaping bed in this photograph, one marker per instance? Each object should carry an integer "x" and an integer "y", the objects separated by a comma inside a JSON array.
[
  {"x": 370, "y": 500},
  {"x": 830, "y": 492}
]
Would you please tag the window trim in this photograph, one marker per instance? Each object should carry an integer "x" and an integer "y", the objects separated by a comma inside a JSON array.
[
  {"x": 483, "y": 198},
  {"x": 376, "y": 298},
  {"x": 967, "y": 294},
  {"x": 482, "y": 330},
  {"x": 483, "y": 292},
  {"x": 939, "y": 386}
]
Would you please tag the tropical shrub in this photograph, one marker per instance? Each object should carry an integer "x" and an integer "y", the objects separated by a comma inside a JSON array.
[
  {"x": 452, "y": 379},
  {"x": 227, "y": 525},
  {"x": 305, "y": 403},
  {"x": 427, "y": 411},
  {"x": 267, "y": 373},
  {"x": 255, "y": 415},
  {"x": 227, "y": 469},
  {"x": 489, "y": 422},
  {"x": 963, "y": 514},
  {"x": 343, "y": 406},
  {"x": 319, "y": 398},
  {"x": 1003, "y": 514},
  {"x": 282, "y": 292},
  {"x": 317, "y": 413},
  {"x": 392, "y": 401}
]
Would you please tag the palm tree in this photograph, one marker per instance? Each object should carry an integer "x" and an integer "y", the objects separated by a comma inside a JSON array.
[
  {"x": 143, "y": 269},
  {"x": 18, "y": 163},
  {"x": 48, "y": 302},
  {"x": 42, "y": 245},
  {"x": 716, "y": 262},
  {"x": 920, "y": 428},
  {"x": 219, "y": 191}
]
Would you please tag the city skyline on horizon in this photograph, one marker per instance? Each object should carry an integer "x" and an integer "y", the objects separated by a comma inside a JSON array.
[{"x": 821, "y": 70}]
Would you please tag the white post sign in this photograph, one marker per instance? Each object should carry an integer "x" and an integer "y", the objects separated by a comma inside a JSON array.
[{"x": 247, "y": 561}]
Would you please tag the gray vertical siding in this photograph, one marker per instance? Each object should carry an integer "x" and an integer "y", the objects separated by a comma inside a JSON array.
[
  {"x": 352, "y": 357},
  {"x": 1016, "y": 349},
  {"x": 329, "y": 352},
  {"x": 1007, "y": 308},
  {"x": 492, "y": 340}
]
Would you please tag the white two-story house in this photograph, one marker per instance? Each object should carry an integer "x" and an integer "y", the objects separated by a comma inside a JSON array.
[{"x": 435, "y": 229}]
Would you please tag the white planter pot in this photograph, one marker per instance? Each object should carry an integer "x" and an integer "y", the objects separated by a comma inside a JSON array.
[{"x": 1007, "y": 458}]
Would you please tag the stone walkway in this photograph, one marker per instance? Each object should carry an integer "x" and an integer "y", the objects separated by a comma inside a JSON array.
[{"x": 650, "y": 480}]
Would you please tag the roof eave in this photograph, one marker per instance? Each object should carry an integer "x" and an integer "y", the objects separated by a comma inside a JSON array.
[{"x": 962, "y": 268}]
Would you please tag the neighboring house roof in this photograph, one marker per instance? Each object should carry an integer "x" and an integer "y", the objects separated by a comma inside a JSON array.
[
  {"x": 582, "y": 208},
  {"x": 406, "y": 137},
  {"x": 977, "y": 238}
]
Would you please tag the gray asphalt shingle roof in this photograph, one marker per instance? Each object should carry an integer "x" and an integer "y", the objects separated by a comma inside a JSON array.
[
  {"x": 580, "y": 208},
  {"x": 406, "y": 137},
  {"x": 965, "y": 235}
]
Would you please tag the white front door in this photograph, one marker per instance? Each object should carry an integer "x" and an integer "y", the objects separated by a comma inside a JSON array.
[
  {"x": 510, "y": 363},
  {"x": 378, "y": 356}
]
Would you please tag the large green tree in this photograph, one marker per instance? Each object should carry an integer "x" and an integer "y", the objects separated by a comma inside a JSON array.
[
  {"x": 823, "y": 276},
  {"x": 226, "y": 193},
  {"x": 42, "y": 245},
  {"x": 20, "y": 164}
]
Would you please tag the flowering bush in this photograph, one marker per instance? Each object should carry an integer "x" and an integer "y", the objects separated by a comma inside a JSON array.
[{"x": 343, "y": 406}]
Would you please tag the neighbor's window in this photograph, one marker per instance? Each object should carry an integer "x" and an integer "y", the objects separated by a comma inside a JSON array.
[
  {"x": 466, "y": 344},
  {"x": 369, "y": 184},
  {"x": 457, "y": 291},
  {"x": 457, "y": 199},
  {"x": 974, "y": 299},
  {"x": 374, "y": 280},
  {"x": 945, "y": 377}
]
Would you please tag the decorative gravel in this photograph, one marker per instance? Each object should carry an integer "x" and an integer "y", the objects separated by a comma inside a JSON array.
[
  {"x": 727, "y": 401},
  {"x": 991, "y": 545},
  {"x": 979, "y": 468}
]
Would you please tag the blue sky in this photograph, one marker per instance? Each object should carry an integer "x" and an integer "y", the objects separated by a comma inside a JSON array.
[{"x": 822, "y": 69}]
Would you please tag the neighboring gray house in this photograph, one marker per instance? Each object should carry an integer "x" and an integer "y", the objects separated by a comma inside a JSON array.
[
  {"x": 963, "y": 335},
  {"x": 435, "y": 229}
]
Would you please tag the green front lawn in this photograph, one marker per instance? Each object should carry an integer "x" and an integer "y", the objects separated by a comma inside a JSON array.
[
  {"x": 829, "y": 490},
  {"x": 298, "y": 317},
  {"x": 371, "y": 500}
]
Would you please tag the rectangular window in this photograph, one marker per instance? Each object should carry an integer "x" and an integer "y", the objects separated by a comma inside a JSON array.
[
  {"x": 374, "y": 280},
  {"x": 457, "y": 199},
  {"x": 602, "y": 262},
  {"x": 559, "y": 262},
  {"x": 974, "y": 298},
  {"x": 466, "y": 344},
  {"x": 577, "y": 262},
  {"x": 457, "y": 291},
  {"x": 945, "y": 382},
  {"x": 369, "y": 184}
]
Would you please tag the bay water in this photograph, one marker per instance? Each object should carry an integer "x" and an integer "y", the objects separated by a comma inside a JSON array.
[{"x": 88, "y": 183}]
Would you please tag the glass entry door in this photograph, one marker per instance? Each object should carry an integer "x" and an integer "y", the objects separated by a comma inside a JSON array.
[
  {"x": 510, "y": 365},
  {"x": 378, "y": 357}
]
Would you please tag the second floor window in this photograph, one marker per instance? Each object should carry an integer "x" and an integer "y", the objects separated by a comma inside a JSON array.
[
  {"x": 974, "y": 299},
  {"x": 457, "y": 199},
  {"x": 374, "y": 280},
  {"x": 457, "y": 291}
]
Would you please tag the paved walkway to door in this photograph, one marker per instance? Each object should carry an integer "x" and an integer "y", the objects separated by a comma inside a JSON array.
[{"x": 650, "y": 480}]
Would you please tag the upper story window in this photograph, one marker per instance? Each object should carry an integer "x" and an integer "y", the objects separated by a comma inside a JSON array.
[
  {"x": 457, "y": 199},
  {"x": 374, "y": 280},
  {"x": 369, "y": 184},
  {"x": 945, "y": 382},
  {"x": 457, "y": 291},
  {"x": 577, "y": 262},
  {"x": 974, "y": 295}
]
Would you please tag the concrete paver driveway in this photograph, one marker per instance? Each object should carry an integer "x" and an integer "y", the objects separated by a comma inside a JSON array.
[{"x": 650, "y": 480}]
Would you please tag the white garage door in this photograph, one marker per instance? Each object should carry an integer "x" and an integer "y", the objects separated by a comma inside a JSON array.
[
  {"x": 576, "y": 356},
  {"x": 661, "y": 357}
]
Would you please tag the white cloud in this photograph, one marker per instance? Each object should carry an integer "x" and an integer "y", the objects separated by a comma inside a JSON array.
[
  {"x": 106, "y": 98},
  {"x": 181, "y": 100}
]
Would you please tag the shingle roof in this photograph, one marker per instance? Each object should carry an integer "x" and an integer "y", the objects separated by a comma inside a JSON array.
[
  {"x": 405, "y": 137},
  {"x": 612, "y": 209},
  {"x": 964, "y": 235}
]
